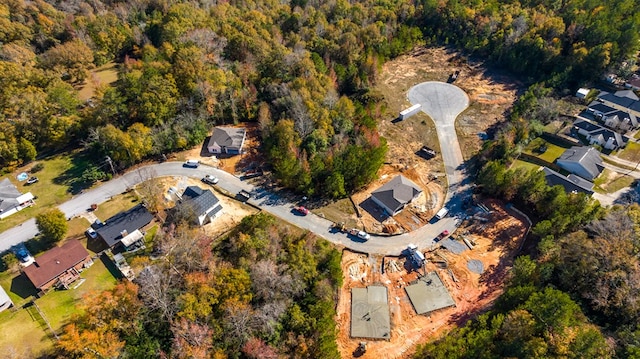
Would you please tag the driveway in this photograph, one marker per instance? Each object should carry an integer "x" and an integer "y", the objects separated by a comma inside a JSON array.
[{"x": 443, "y": 102}]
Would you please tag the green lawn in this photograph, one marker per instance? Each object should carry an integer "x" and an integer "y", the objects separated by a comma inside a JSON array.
[
  {"x": 631, "y": 152},
  {"x": 610, "y": 181},
  {"x": 77, "y": 227},
  {"x": 550, "y": 155},
  {"x": 116, "y": 204},
  {"x": 104, "y": 75},
  {"x": 23, "y": 332},
  {"x": 58, "y": 181},
  {"x": 524, "y": 164}
]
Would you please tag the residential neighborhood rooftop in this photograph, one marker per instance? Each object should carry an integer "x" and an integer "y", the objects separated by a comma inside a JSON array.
[
  {"x": 55, "y": 261},
  {"x": 227, "y": 137},
  {"x": 124, "y": 223},
  {"x": 396, "y": 193},
  {"x": 571, "y": 183},
  {"x": 201, "y": 200},
  {"x": 588, "y": 158}
]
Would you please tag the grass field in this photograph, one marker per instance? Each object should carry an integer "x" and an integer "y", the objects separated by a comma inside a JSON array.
[
  {"x": 550, "y": 155},
  {"x": 104, "y": 75},
  {"x": 58, "y": 182},
  {"x": 524, "y": 164},
  {"x": 631, "y": 152},
  {"x": 610, "y": 181},
  {"x": 335, "y": 212},
  {"x": 116, "y": 204}
]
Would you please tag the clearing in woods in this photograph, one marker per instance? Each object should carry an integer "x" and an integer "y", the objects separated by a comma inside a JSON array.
[
  {"x": 495, "y": 236},
  {"x": 490, "y": 94}
]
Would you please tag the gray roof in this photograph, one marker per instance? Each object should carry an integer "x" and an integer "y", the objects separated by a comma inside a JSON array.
[
  {"x": 571, "y": 183},
  {"x": 200, "y": 200},
  {"x": 623, "y": 101},
  {"x": 129, "y": 220},
  {"x": 429, "y": 293},
  {"x": 586, "y": 125},
  {"x": 628, "y": 94},
  {"x": 370, "y": 313},
  {"x": 600, "y": 107},
  {"x": 227, "y": 137},
  {"x": 8, "y": 195},
  {"x": 588, "y": 157},
  {"x": 397, "y": 192}
]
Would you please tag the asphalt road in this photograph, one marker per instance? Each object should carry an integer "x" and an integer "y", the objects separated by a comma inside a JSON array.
[{"x": 443, "y": 102}]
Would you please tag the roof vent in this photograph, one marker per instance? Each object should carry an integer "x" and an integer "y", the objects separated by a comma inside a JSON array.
[{"x": 57, "y": 261}]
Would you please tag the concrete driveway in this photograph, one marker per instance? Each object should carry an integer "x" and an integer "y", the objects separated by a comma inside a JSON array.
[{"x": 443, "y": 103}]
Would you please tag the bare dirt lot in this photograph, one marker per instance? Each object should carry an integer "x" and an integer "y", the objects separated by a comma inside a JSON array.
[
  {"x": 490, "y": 93},
  {"x": 495, "y": 243}
]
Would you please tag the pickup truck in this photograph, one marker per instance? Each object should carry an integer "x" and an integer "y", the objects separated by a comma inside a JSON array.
[{"x": 210, "y": 179}]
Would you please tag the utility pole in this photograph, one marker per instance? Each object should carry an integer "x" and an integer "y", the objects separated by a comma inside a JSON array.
[{"x": 108, "y": 159}]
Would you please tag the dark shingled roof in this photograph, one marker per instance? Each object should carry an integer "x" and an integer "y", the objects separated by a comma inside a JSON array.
[
  {"x": 600, "y": 107},
  {"x": 397, "y": 192},
  {"x": 571, "y": 183},
  {"x": 130, "y": 220},
  {"x": 586, "y": 125},
  {"x": 200, "y": 200},
  {"x": 227, "y": 137},
  {"x": 54, "y": 262}
]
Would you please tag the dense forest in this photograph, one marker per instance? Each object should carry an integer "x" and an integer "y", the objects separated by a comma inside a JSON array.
[
  {"x": 303, "y": 69},
  {"x": 264, "y": 291}
]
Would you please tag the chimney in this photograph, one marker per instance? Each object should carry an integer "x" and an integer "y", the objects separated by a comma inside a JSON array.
[{"x": 124, "y": 233}]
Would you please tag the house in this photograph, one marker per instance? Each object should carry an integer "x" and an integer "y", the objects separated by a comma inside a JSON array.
[
  {"x": 227, "y": 140},
  {"x": 582, "y": 93},
  {"x": 5, "y": 301},
  {"x": 123, "y": 229},
  {"x": 11, "y": 200},
  {"x": 613, "y": 118},
  {"x": 203, "y": 204},
  {"x": 582, "y": 161},
  {"x": 600, "y": 136},
  {"x": 571, "y": 183},
  {"x": 624, "y": 100},
  {"x": 59, "y": 266},
  {"x": 396, "y": 194}
]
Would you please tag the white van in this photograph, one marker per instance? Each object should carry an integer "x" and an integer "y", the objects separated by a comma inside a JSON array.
[
  {"x": 442, "y": 213},
  {"x": 192, "y": 163}
]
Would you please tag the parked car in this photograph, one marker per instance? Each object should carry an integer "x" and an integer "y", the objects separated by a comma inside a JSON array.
[
  {"x": 32, "y": 180},
  {"x": 210, "y": 179},
  {"x": 442, "y": 235},
  {"x": 91, "y": 233},
  {"x": 302, "y": 210},
  {"x": 23, "y": 255},
  {"x": 364, "y": 235},
  {"x": 192, "y": 163}
]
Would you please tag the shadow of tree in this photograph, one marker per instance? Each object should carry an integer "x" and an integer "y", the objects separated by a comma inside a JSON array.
[{"x": 73, "y": 176}]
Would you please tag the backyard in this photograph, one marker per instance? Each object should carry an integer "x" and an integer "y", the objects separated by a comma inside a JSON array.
[
  {"x": 610, "y": 181},
  {"x": 29, "y": 333},
  {"x": 631, "y": 152},
  {"x": 544, "y": 150}
]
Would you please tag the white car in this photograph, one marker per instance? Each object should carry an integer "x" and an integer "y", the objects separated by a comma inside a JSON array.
[
  {"x": 364, "y": 235},
  {"x": 210, "y": 179}
]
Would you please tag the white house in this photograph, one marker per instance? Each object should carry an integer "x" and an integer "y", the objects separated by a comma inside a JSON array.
[
  {"x": 5, "y": 301},
  {"x": 227, "y": 140},
  {"x": 598, "y": 135},
  {"x": 204, "y": 204},
  {"x": 11, "y": 200}
]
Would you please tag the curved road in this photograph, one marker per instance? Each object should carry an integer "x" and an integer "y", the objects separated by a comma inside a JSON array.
[{"x": 443, "y": 102}]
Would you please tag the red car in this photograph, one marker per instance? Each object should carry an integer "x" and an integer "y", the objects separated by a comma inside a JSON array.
[{"x": 303, "y": 211}]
